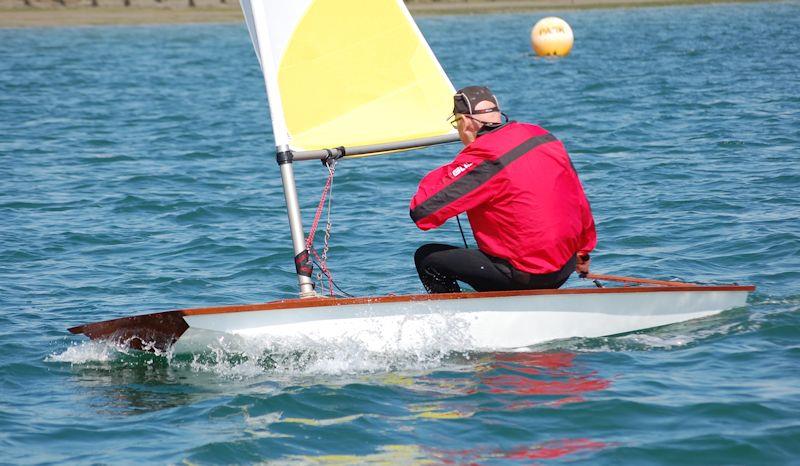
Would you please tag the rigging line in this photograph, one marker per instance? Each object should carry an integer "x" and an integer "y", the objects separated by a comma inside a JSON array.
[
  {"x": 331, "y": 165},
  {"x": 462, "y": 232},
  {"x": 313, "y": 230},
  {"x": 321, "y": 260},
  {"x": 323, "y": 271},
  {"x": 346, "y": 294},
  {"x": 323, "y": 266},
  {"x": 328, "y": 222}
]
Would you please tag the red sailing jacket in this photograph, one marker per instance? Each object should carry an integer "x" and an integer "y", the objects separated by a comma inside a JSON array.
[{"x": 522, "y": 196}]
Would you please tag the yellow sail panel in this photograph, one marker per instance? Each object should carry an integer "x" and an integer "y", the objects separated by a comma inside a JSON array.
[{"x": 358, "y": 72}]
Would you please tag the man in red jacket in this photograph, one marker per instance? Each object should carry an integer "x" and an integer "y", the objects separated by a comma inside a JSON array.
[{"x": 523, "y": 198}]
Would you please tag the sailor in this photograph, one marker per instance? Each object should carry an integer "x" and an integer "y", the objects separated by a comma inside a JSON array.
[{"x": 528, "y": 212}]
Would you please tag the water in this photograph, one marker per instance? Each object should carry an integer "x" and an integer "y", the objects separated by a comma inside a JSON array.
[{"x": 138, "y": 175}]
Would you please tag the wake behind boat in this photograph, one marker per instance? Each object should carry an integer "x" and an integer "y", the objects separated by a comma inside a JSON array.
[{"x": 333, "y": 71}]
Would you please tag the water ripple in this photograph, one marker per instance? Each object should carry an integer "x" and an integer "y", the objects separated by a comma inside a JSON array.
[{"x": 138, "y": 176}]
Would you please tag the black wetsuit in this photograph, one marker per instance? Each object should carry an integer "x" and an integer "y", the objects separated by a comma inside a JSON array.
[{"x": 440, "y": 266}]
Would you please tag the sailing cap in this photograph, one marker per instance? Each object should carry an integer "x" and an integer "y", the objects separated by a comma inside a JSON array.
[{"x": 467, "y": 98}]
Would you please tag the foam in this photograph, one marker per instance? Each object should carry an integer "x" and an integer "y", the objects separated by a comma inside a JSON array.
[
  {"x": 86, "y": 352},
  {"x": 248, "y": 358}
]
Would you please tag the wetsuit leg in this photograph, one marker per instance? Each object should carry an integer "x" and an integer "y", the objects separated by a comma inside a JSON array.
[{"x": 440, "y": 266}]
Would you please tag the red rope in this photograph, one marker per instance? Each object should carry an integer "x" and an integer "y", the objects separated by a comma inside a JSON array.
[
  {"x": 318, "y": 214},
  {"x": 314, "y": 225}
]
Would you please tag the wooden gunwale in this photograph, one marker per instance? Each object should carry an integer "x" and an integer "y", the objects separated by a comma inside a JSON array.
[
  {"x": 324, "y": 302},
  {"x": 639, "y": 281}
]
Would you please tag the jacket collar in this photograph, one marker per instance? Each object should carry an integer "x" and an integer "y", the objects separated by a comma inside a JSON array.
[{"x": 491, "y": 129}]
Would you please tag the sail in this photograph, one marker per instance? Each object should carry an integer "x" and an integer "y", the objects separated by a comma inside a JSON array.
[{"x": 347, "y": 73}]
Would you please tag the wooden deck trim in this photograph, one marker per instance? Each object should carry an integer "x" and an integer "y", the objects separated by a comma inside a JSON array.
[
  {"x": 323, "y": 302},
  {"x": 640, "y": 281}
]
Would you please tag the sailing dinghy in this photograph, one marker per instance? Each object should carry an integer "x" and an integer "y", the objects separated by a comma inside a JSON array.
[{"x": 330, "y": 90}]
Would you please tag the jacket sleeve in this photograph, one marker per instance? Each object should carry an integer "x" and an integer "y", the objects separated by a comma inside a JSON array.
[
  {"x": 588, "y": 239},
  {"x": 448, "y": 191}
]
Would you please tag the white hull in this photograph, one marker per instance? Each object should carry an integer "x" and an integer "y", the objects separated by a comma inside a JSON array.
[
  {"x": 489, "y": 323},
  {"x": 469, "y": 321}
]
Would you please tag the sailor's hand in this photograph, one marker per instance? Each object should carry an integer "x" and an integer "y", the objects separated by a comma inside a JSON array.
[{"x": 582, "y": 264}]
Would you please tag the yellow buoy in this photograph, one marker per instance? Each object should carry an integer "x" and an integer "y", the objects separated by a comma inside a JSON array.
[{"x": 551, "y": 36}]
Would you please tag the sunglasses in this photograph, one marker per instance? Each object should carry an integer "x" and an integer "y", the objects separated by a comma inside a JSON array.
[{"x": 455, "y": 119}]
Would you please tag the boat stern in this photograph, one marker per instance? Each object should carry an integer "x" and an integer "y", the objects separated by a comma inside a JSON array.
[{"x": 151, "y": 332}]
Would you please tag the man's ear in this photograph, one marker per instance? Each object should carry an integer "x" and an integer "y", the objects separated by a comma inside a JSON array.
[
  {"x": 467, "y": 123},
  {"x": 474, "y": 126}
]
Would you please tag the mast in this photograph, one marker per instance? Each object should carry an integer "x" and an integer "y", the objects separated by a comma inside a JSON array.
[{"x": 301, "y": 259}]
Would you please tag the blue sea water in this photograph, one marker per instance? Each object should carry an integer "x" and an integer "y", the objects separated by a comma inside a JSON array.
[{"x": 138, "y": 175}]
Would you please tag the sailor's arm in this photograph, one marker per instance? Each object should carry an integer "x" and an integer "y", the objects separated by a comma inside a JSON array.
[
  {"x": 588, "y": 238},
  {"x": 448, "y": 191}
]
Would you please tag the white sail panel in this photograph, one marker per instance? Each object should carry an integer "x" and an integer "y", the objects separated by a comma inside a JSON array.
[{"x": 347, "y": 72}]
